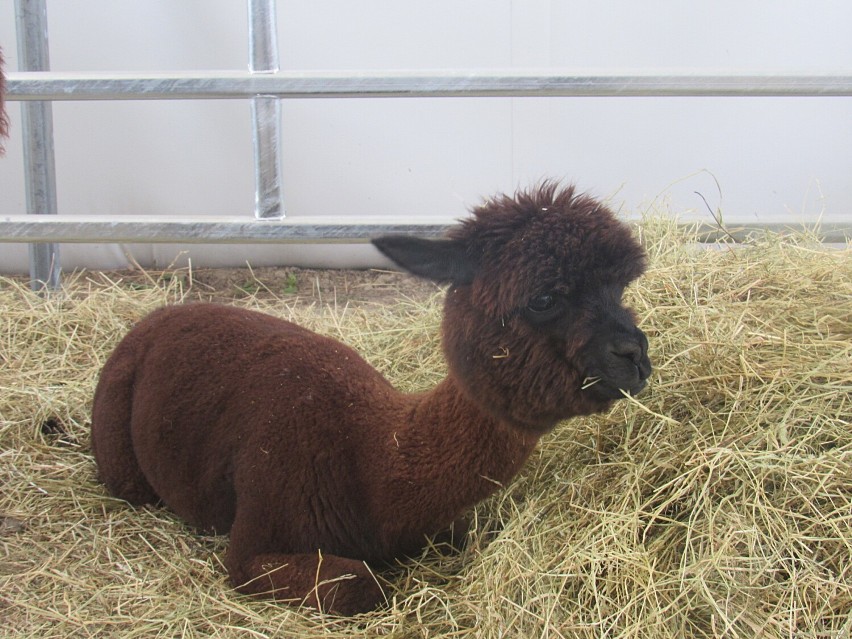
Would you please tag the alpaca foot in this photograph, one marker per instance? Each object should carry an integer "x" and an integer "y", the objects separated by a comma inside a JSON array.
[{"x": 326, "y": 582}]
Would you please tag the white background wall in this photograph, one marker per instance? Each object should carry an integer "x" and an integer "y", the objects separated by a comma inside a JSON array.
[{"x": 775, "y": 158}]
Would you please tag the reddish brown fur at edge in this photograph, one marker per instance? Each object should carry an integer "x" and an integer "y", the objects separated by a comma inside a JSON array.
[
  {"x": 4, "y": 118},
  {"x": 244, "y": 423}
]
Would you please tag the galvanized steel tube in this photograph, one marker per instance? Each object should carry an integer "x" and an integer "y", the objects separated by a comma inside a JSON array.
[
  {"x": 265, "y": 112},
  {"x": 37, "y": 128},
  {"x": 211, "y": 229},
  {"x": 308, "y": 229},
  {"x": 411, "y": 84}
]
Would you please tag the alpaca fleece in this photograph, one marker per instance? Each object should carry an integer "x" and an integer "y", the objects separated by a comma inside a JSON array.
[{"x": 312, "y": 462}]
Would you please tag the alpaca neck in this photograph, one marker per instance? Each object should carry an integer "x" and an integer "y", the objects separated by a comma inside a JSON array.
[
  {"x": 465, "y": 433},
  {"x": 451, "y": 454},
  {"x": 443, "y": 453}
]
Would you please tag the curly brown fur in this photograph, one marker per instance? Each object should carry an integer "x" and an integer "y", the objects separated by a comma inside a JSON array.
[{"x": 315, "y": 464}]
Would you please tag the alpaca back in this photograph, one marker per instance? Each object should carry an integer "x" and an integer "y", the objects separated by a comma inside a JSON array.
[{"x": 217, "y": 391}]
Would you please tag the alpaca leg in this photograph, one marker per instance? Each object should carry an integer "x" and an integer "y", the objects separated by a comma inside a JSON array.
[
  {"x": 326, "y": 582},
  {"x": 112, "y": 444}
]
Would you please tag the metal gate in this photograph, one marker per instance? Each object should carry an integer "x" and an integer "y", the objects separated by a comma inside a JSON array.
[{"x": 264, "y": 85}]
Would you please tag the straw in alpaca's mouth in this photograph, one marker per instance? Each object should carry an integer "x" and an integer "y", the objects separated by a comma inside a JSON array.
[
  {"x": 588, "y": 382},
  {"x": 609, "y": 391}
]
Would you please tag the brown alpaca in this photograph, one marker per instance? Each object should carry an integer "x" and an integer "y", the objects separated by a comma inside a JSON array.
[
  {"x": 4, "y": 119},
  {"x": 248, "y": 424}
]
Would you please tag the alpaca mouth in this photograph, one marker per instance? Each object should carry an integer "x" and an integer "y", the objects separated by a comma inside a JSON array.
[{"x": 608, "y": 389}]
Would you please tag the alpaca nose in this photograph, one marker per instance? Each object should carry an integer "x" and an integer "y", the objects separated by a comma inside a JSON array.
[
  {"x": 634, "y": 349},
  {"x": 628, "y": 349}
]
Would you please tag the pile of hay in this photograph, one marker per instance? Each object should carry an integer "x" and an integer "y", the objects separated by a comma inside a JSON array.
[{"x": 717, "y": 504}]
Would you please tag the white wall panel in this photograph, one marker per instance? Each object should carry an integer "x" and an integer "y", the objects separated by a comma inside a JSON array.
[{"x": 775, "y": 158}]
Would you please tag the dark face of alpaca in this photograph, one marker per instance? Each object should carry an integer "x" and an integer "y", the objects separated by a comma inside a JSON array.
[{"x": 534, "y": 326}]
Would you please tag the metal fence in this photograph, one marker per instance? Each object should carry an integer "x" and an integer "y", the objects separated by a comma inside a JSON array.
[{"x": 265, "y": 86}]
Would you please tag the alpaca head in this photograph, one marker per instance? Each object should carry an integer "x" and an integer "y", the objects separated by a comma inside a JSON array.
[{"x": 534, "y": 327}]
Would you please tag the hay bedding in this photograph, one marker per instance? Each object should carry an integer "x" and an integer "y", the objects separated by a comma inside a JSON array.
[{"x": 718, "y": 504}]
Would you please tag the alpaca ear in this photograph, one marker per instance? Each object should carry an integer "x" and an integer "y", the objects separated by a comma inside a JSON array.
[{"x": 443, "y": 261}]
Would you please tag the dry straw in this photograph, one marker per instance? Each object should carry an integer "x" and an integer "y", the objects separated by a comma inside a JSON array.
[{"x": 717, "y": 504}]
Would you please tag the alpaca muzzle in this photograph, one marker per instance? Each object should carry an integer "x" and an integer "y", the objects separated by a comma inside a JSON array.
[{"x": 619, "y": 364}]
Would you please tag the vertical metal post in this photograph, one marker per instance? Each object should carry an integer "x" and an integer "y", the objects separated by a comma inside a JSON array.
[
  {"x": 265, "y": 112},
  {"x": 37, "y": 129}
]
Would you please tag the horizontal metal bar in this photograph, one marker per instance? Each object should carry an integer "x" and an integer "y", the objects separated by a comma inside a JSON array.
[
  {"x": 209, "y": 229},
  {"x": 246, "y": 230},
  {"x": 292, "y": 84}
]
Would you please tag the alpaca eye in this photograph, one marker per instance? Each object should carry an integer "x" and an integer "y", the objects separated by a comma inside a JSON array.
[{"x": 542, "y": 303}]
